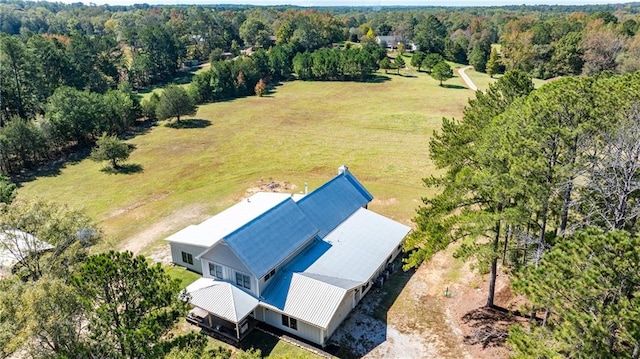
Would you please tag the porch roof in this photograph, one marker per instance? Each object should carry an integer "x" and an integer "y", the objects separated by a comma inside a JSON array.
[{"x": 221, "y": 299}]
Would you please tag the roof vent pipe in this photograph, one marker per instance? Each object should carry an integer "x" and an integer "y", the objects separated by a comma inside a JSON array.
[
  {"x": 306, "y": 188},
  {"x": 343, "y": 169}
]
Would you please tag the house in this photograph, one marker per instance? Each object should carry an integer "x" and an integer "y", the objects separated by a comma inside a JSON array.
[
  {"x": 392, "y": 42},
  {"x": 298, "y": 263},
  {"x": 16, "y": 246}
]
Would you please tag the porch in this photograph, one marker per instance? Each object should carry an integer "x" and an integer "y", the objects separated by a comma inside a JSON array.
[{"x": 220, "y": 327}]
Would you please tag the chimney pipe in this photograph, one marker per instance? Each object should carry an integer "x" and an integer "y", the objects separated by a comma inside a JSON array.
[
  {"x": 306, "y": 188},
  {"x": 343, "y": 169}
]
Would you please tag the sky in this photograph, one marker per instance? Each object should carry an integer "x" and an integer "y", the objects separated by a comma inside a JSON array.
[{"x": 354, "y": 2}]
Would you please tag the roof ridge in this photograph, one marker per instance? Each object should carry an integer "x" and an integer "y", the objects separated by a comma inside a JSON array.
[{"x": 258, "y": 217}]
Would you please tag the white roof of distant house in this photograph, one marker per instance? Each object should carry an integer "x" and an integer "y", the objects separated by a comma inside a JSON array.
[
  {"x": 221, "y": 298},
  {"x": 16, "y": 245},
  {"x": 217, "y": 227}
]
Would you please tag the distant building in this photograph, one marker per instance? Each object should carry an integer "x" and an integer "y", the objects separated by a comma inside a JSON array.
[
  {"x": 299, "y": 263},
  {"x": 16, "y": 245},
  {"x": 392, "y": 42}
]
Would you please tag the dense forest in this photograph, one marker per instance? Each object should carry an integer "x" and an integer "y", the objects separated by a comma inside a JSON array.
[{"x": 71, "y": 72}]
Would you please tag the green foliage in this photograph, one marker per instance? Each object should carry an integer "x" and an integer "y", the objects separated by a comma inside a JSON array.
[
  {"x": 69, "y": 231},
  {"x": 493, "y": 65},
  {"x": 134, "y": 304},
  {"x": 8, "y": 190},
  {"x": 385, "y": 64},
  {"x": 110, "y": 148},
  {"x": 478, "y": 59},
  {"x": 588, "y": 285},
  {"x": 335, "y": 64},
  {"x": 416, "y": 59},
  {"x": 441, "y": 72},
  {"x": 175, "y": 102},
  {"x": 431, "y": 60},
  {"x": 399, "y": 63},
  {"x": 473, "y": 198}
]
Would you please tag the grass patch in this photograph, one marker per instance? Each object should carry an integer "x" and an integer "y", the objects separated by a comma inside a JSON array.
[
  {"x": 271, "y": 347},
  {"x": 301, "y": 133},
  {"x": 482, "y": 80},
  {"x": 186, "y": 277}
]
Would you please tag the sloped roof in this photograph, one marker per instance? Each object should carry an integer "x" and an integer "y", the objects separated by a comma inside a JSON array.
[
  {"x": 357, "y": 247},
  {"x": 270, "y": 238},
  {"x": 305, "y": 298},
  {"x": 215, "y": 228},
  {"x": 16, "y": 245},
  {"x": 222, "y": 299},
  {"x": 333, "y": 202},
  {"x": 312, "y": 286}
]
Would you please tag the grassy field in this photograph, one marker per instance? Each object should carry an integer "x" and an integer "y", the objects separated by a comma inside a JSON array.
[{"x": 299, "y": 133}]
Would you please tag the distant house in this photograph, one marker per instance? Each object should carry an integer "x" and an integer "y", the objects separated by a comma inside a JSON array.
[
  {"x": 297, "y": 263},
  {"x": 392, "y": 42},
  {"x": 16, "y": 245}
]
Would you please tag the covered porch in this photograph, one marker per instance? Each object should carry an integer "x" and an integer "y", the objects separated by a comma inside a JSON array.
[{"x": 221, "y": 309}]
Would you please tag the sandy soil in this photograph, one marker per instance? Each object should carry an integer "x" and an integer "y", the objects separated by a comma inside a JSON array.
[{"x": 422, "y": 322}]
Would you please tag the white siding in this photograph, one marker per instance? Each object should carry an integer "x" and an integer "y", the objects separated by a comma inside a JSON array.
[
  {"x": 343, "y": 310},
  {"x": 176, "y": 255},
  {"x": 222, "y": 254},
  {"x": 305, "y": 331}
]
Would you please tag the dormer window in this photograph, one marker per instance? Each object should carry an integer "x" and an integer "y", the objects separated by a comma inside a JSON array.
[
  {"x": 243, "y": 280},
  {"x": 270, "y": 274},
  {"x": 215, "y": 270}
]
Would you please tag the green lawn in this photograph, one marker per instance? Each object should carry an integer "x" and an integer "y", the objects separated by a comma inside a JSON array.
[{"x": 300, "y": 133}]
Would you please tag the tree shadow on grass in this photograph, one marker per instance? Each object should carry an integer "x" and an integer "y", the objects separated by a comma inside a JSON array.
[
  {"x": 53, "y": 168},
  {"x": 377, "y": 79},
  {"x": 189, "y": 123},
  {"x": 457, "y": 87},
  {"x": 126, "y": 169}
]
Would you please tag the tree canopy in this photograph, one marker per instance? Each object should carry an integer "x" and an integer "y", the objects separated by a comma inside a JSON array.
[
  {"x": 110, "y": 148},
  {"x": 175, "y": 102}
]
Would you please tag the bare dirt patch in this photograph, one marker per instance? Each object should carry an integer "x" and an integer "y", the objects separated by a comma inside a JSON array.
[
  {"x": 271, "y": 186},
  {"x": 172, "y": 223},
  {"x": 416, "y": 320}
]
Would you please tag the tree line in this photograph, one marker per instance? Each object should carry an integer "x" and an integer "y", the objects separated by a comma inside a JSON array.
[{"x": 546, "y": 184}]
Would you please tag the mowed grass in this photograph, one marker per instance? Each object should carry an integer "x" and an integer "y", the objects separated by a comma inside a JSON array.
[
  {"x": 482, "y": 80},
  {"x": 299, "y": 133}
]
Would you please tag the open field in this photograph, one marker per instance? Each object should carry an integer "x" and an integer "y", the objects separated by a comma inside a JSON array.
[{"x": 300, "y": 133}]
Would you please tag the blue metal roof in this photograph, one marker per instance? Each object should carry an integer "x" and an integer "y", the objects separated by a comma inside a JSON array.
[
  {"x": 270, "y": 238},
  {"x": 335, "y": 201}
]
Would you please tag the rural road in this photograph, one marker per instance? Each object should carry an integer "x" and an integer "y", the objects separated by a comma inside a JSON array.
[{"x": 466, "y": 78}]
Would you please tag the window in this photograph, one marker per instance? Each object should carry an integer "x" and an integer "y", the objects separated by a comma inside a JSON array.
[
  {"x": 215, "y": 270},
  {"x": 289, "y": 322},
  {"x": 269, "y": 275},
  {"x": 243, "y": 280},
  {"x": 187, "y": 258}
]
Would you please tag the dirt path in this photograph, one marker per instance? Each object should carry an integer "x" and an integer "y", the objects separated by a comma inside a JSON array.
[{"x": 466, "y": 78}]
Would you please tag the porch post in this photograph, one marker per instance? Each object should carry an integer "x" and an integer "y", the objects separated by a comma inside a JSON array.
[
  {"x": 210, "y": 320},
  {"x": 238, "y": 331}
]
